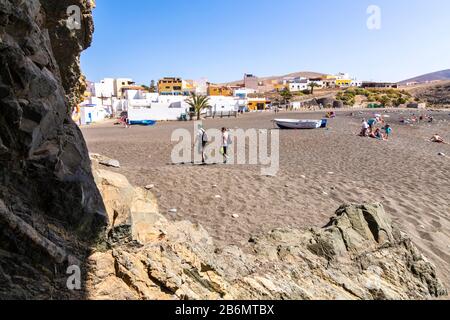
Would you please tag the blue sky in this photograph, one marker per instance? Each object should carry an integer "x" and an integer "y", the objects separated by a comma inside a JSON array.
[{"x": 223, "y": 39}]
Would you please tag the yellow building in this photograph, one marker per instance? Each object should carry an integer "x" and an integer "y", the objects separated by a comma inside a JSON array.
[
  {"x": 280, "y": 86},
  {"x": 121, "y": 83},
  {"x": 343, "y": 82},
  {"x": 170, "y": 86},
  {"x": 219, "y": 91},
  {"x": 258, "y": 104}
]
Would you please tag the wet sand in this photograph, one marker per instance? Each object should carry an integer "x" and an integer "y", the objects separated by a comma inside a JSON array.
[{"x": 319, "y": 170}]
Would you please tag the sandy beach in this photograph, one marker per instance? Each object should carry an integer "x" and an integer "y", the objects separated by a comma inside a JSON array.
[{"x": 319, "y": 170}]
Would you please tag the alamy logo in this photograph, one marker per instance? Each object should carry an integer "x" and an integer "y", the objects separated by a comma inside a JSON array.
[
  {"x": 374, "y": 20},
  {"x": 74, "y": 18},
  {"x": 74, "y": 279},
  {"x": 256, "y": 141}
]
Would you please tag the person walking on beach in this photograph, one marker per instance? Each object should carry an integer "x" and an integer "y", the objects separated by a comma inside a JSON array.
[
  {"x": 202, "y": 140},
  {"x": 124, "y": 119},
  {"x": 225, "y": 144}
]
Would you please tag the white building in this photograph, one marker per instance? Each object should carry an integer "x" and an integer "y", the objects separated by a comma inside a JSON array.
[
  {"x": 287, "y": 80},
  {"x": 105, "y": 88},
  {"x": 201, "y": 86},
  {"x": 319, "y": 83},
  {"x": 343, "y": 76},
  {"x": 296, "y": 105},
  {"x": 356, "y": 83},
  {"x": 221, "y": 104},
  {"x": 243, "y": 93},
  {"x": 91, "y": 113},
  {"x": 119, "y": 84},
  {"x": 154, "y": 107},
  {"x": 298, "y": 86}
]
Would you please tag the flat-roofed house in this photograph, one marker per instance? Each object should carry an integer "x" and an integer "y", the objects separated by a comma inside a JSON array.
[{"x": 170, "y": 86}]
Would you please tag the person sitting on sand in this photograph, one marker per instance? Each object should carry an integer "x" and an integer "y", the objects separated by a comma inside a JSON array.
[
  {"x": 377, "y": 134},
  {"x": 438, "y": 139},
  {"x": 364, "y": 129}
]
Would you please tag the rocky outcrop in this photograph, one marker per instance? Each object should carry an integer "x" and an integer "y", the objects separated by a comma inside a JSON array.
[
  {"x": 68, "y": 43},
  {"x": 48, "y": 198},
  {"x": 437, "y": 95},
  {"x": 359, "y": 254}
]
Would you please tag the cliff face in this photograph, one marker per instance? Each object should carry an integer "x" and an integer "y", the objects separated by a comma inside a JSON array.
[{"x": 48, "y": 198}]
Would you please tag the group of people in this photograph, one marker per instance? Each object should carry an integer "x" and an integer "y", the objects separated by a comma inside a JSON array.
[
  {"x": 417, "y": 119},
  {"x": 370, "y": 129},
  {"x": 203, "y": 140}
]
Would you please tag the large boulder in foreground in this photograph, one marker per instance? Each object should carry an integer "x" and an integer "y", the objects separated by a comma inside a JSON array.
[
  {"x": 50, "y": 207},
  {"x": 359, "y": 254}
]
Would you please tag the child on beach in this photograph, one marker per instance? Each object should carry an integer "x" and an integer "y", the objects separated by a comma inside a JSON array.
[
  {"x": 377, "y": 134},
  {"x": 364, "y": 129},
  {"x": 387, "y": 132},
  {"x": 124, "y": 119}
]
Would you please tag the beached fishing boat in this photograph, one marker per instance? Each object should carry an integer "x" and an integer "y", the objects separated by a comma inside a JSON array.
[
  {"x": 142, "y": 122},
  {"x": 300, "y": 124}
]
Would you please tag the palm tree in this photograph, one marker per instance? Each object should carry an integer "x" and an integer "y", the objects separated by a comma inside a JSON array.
[
  {"x": 153, "y": 86},
  {"x": 198, "y": 103},
  {"x": 313, "y": 85},
  {"x": 287, "y": 95}
]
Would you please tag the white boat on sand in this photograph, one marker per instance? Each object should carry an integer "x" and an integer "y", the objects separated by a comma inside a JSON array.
[{"x": 300, "y": 124}]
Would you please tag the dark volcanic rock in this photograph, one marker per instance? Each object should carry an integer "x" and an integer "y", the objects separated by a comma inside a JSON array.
[{"x": 48, "y": 198}]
